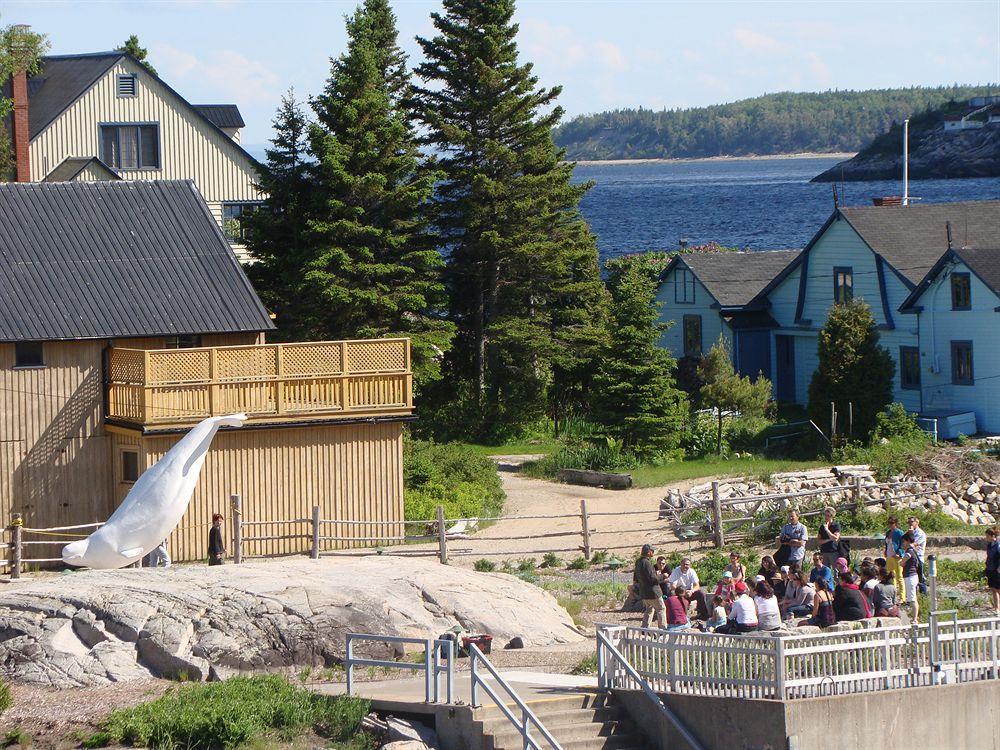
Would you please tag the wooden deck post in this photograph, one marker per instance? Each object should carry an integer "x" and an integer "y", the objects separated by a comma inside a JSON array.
[
  {"x": 720, "y": 536},
  {"x": 237, "y": 529},
  {"x": 442, "y": 538},
  {"x": 314, "y": 550},
  {"x": 147, "y": 396},
  {"x": 16, "y": 529},
  {"x": 858, "y": 502},
  {"x": 833, "y": 421},
  {"x": 279, "y": 383},
  {"x": 213, "y": 370},
  {"x": 585, "y": 522}
]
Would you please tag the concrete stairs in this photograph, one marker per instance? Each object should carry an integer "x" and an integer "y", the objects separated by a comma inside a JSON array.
[{"x": 578, "y": 721}]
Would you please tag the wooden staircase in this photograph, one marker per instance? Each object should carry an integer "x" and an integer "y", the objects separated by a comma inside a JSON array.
[{"x": 578, "y": 721}]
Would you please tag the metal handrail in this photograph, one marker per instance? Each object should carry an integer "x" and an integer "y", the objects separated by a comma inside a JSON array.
[
  {"x": 528, "y": 717},
  {"x": 605, "y": 648},
  {"x": 431, "y": 666}
]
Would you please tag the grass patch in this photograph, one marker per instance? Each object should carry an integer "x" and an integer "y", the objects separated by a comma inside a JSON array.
[
  {"x": 482, "y": 565},
  {"x": 875, "y": 522},
  {"x": 519, "y": 447},
  {"x": 229, "y": 714},
  {"x": 960, "y": 571},
  {"x": 696, "y": 468},
  {"x": 586, "y": 665}
]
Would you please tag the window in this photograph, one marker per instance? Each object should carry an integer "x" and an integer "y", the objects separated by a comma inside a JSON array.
[
  {"x": 692, "y": 335},
  {"x": 961, "y": 363},
  {"x": 187, "y": 341},
  {"x": 843, "y": 285},
  {"x": 130, "y": 465},
  {"x": 28, "y": 354},
  {"x": 961, "y": 292},
  {"x": 683, "y": 286},
  {"x": 909, "y": 368},
  {"x": 127, "y": 86},
  {"x": 232, "y": 220},
  {"x": 130, "y": 146}
]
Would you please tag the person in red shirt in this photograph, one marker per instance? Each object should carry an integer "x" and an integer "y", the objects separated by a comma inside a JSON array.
[{"x": 677, "y": 618}]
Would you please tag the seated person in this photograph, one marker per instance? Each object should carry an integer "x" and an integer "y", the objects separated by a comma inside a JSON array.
[
  {"x": 768, "y": 614},
  {"x": 799, "y": 596},
  {"x": 677, "y": 618},
  {"x": 686, "y": 575},
  {"x": 719, "y": 615},
  {"x": 848, "y": 601},
  {"x": 735, "y": 567},
  {"x": 822, "y": 614},
  {"x": 726, "y": 588},
  {"x": 742, "y": 615},
  {"x": 820, "y": 569},
  {"x": 885, "y": 599}
]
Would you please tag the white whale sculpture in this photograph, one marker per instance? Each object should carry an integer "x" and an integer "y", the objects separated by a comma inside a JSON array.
[{"x": 154, "y": 506}]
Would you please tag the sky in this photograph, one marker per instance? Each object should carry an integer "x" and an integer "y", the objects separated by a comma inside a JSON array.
[{"x": 605, "y": 53}]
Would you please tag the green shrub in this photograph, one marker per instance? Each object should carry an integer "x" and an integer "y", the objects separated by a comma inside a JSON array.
[
  {"x": 17, "y": 737},
  {"x": 209, "y": 716},
  {"x": 579, "y": 563},
  {"x": 874, "y": 522},
  {"x": 452, "y": 475},
  {"x": 526, "y": 565},
  {"x": 604, "y": 455},
  {"x": 600, "y": 557},
  {"x": 551, "y": 560},
  {"x": 483, "y": 565},
  {"x": 960, "y": 571},
  {"x": 895, "y": 440},
  {"x": 711, "y": 566},
  {"x": 586, "y": 665}
]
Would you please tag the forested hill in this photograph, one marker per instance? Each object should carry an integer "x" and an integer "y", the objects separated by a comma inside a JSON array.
[{"x": 782, "y": 123}]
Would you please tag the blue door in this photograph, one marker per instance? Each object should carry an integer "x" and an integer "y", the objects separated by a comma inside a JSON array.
[
  {"x": 785, "y": 355},
  {"x": 753, "y": 353}
]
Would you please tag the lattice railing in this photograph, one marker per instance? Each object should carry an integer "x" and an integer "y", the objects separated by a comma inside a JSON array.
[{"x": 287, "y": 381}]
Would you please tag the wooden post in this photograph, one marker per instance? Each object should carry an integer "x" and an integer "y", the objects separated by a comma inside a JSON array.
[
  {"x": 850, "y": 418},
  {"x": 858, "y": 502},
  {"x": 442, "y": 539},
  {"x": 314, "y": 552},
  {"x": 16, "y": 529},
  {"x": 279, "y": 382},
  {"x": 720, "y": 537},
  {"x": 213, "y": 369},
  {"x": 147, "y": 393},
  {"x": 833, "y": 421},
  {"x": 585, "y": 522},
  {"x": 237, "y": 529}
]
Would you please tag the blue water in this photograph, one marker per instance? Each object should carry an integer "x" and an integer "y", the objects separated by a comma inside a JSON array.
[{"x": 749, "y": 203}]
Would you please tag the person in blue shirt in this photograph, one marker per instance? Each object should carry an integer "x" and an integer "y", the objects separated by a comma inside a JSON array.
[{"x": 820, "y": 570}]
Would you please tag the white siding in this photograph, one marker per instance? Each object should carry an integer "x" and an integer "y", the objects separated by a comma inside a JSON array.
[
  {"x": 190, "y": 148},
  {"x": 840, "y": 246},
  {"x": 939, "y": 326},
  {"x": 673, "y": 313}
]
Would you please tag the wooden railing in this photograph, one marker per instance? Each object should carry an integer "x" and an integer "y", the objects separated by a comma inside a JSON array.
[{"x": 270, "y": 382}]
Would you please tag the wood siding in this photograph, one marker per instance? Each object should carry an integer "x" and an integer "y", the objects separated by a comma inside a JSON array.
[
  {"x": 90, "y": 173},
  {"x": 353, "y": 472},
  {"x": 190, "y": 147},
  {"x": 672, "y": 313}
]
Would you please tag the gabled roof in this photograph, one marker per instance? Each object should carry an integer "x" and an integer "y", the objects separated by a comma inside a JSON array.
[
  {"x": 62, "y": 79},
  {"x": 734, "y": 279},
  {"x": 71, "y": 166},
  {"x": 95, "y": 260},
  {"x": 984, "y": 262},
  {"x": 221, "y": 115}
]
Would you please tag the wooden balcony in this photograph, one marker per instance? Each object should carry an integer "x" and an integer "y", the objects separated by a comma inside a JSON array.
[{"x": 272, "y": 383}]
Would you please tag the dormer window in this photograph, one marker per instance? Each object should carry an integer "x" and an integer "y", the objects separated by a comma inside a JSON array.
[
  {"x": 127, "y": 85},
  {"x": 843, "y": 285},
  {"x": 683, "y": 286},
  {"x": 961, "y": 292}
]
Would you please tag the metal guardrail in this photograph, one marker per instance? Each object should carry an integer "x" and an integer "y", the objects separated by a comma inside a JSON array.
[
  {"x": 431, "y": 665},
  {"x": 528, "y": 720}
]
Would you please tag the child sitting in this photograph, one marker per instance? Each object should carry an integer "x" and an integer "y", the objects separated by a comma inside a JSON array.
[{"x": 718, "y": 618}]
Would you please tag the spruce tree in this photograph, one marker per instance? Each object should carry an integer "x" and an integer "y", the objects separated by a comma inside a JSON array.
[
  {"x": 853, "y": 368},
  {"x": 134, "y": 48},
  {"x": 373, "y": 268},
  {"x": 722, "y": 388},
  {"x": 522, "y": 271},
  {"x": 634, "y": 396},
  {"x": 276, "y": 236}
]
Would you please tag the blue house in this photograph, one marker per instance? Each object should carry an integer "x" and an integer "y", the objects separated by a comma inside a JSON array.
[
  {"x": 956, "y": 307},
  {"x": 876, "y": 253},
  {"x": 705, "y": 295}
]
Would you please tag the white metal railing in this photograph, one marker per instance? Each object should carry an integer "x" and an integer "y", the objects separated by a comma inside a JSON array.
[
  {"x": 611, "y": 666},
  {"x": 806, "y": 666},
  {"x": 526, "y": 722},
  {"x": 431, "y": 665}
]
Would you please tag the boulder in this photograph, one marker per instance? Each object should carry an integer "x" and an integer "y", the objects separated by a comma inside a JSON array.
[{"x": 195, "y": 622}]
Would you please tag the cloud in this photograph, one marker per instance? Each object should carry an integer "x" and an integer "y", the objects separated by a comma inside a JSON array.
[
  {"x": 757, "y": 43},
  {"x": 551, "y": 46},
  {"x": 234, "y": 75},
  {"x": 171, "y": 62},
  {"x": 610, "y": 55},
  {"x": 822, "y": 74}
]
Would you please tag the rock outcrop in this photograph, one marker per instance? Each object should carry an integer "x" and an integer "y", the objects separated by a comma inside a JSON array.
[{"x": 97, "y": 627}]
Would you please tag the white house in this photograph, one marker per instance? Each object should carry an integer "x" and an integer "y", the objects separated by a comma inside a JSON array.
[
  {"x": 703, "y": 295},
  {"x": 879, "y": 254},
  {"x": 957, "y": 309},
  {"x": 106, "y": 116}
]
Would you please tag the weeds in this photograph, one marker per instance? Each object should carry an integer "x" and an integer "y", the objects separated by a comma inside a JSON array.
[
  {"x": 551, "y": 560},
  {"x": 482, "y": 565},
  {"x": 600, "y": 557},
  {"x": 579, "y": 563},
  {"x": 586, "y": 665},
  {"x": 17, "y": 737}
]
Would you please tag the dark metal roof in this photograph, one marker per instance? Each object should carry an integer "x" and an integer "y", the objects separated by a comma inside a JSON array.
[
  {"x": 221, "y": 115},
  {"x": 71, "y": 166},
  {"x": 120, "y": 258},
  {"x": 912, "y": 238},
  {"x": 734, "y": 279}
]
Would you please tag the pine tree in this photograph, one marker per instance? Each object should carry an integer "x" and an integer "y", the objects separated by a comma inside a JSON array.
[
  {"x": 20, "y": 49},
  {"x": 853, "y": 369},
  {"x": 634, "y": 395},
  {"x": 522, "y": 270},
  {"x": 374, "y": 269},
  {"x": 275, "y": 233},
  {"x": 8, "y": 165},
  {"x": 723, "y": 389},
  {"x": 132, "y": 47}
]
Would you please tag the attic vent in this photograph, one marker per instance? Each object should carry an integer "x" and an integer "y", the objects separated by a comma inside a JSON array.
[{"x": 127, "y": 85}]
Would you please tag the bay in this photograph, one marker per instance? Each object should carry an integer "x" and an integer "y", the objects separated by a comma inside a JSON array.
[{"x": 758, "y": 204}]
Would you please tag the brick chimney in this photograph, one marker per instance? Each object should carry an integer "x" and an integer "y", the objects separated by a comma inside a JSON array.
[{"x": 19, "y": 85}]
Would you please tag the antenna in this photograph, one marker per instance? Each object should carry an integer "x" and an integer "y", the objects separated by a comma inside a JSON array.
[
  {"x": 906, "y": 162},
  {"x": 947, "y": 227},
  {"x": 834, "y": 186}
]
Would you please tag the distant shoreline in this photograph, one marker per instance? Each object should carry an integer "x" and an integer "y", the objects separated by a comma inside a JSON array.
[{"x": 755, "y": 157}]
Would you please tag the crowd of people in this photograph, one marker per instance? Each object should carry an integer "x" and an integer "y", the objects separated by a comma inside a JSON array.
[{"x": 784, "y": 592}]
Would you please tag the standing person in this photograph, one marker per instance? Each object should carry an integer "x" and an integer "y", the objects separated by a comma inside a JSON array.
[
  {"x": 820, "y": 569},
  {"x": 993, "y": 565},
  {"x": 768, "y": 613},
  {"x": 894, "y": 555},
  {"x": 735, "y": 567},
  {"x": 677, "y": 618},
  {"x": 159, "y": 557},
  {"x": 911, "y": 575},
  {"x": 793, "y": 538},
  {"x": 216, "y": 547},
  {"x": 650, "y": 590},
  {"x": 829, "y": 533},
  {"x": 920, "y": 545}
]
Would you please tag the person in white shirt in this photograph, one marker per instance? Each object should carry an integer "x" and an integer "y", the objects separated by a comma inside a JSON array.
[
  {"x": 920, "y": 547},
  {"x": 686, "y": 576},
  {"x": 743, "y": 613},
  {"x": 768, "y": 612}
]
